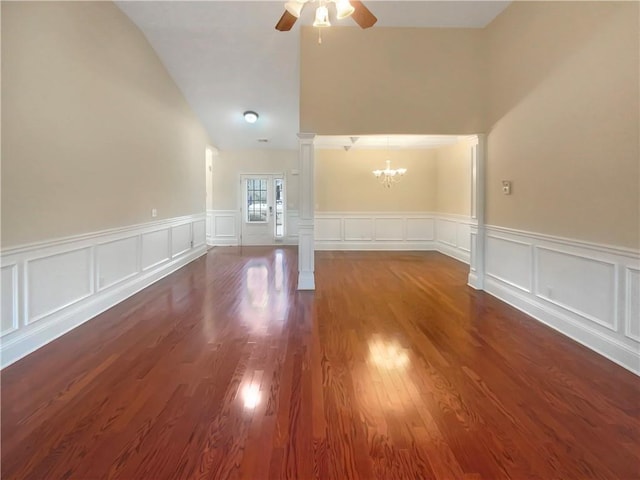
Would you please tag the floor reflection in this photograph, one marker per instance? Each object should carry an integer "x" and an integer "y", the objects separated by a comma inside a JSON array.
[
  {"x": 250, "y": 396},
  {"x": 388, "y": 354},
  {"x": 265, "y": 297},
  {"x": 257, "y": 279}
]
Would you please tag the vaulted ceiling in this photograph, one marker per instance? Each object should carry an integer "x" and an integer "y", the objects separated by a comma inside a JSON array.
[{"x": 227, "y": 57}]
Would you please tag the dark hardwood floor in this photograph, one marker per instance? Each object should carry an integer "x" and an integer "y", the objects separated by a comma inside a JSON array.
[{"x": 392, "y": 369}]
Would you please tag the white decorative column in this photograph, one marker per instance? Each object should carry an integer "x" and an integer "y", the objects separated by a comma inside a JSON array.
[
  {"x": 306, "y": 246},
  {"x": 476, "y": 262}
]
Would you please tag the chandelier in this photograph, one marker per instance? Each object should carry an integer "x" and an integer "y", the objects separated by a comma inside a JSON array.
[{"x": 389, "y": 176}]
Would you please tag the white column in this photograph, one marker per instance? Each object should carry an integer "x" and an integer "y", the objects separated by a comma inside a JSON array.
[
  {"x": 306, "y": 246},
  {"x": 476, "y": 263}
]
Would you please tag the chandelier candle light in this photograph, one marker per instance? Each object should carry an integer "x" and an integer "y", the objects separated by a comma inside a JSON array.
[{"x": 389, "y": 176}]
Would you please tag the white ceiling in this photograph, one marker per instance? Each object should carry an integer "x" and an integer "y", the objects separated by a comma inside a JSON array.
[{"x": 227, "y": 57}]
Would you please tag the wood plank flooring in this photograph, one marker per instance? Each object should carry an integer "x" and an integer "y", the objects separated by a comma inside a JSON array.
[{"x": 392, "y": 369}]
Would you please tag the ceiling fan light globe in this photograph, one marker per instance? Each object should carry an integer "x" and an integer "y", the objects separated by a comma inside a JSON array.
[
  {"x": 343, "y": 9},
  {"x": 294, "y": 7},
  {"x": 322, "y": 17}
]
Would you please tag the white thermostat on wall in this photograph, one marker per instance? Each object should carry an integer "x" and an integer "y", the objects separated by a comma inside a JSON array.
[{"x": 506, "y": 187}]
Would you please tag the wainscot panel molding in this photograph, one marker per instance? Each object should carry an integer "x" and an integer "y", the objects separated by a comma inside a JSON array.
[
  {"x": 586, "y": 291},
  {"x": 453, "y": 235},
  {"x": 448, "y": 234},
  {"x": 51, "y": 287},
  {"x": 225, "y": 226},
  {"x": 291, "y": 227}
]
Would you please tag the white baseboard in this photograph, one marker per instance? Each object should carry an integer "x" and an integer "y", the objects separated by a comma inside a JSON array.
[
  {"x": 585, "y": 291},
  {"x": 52, "y": 287},
  {"x": 452, "y": 251},
  {"x": 375, "y": 246}
]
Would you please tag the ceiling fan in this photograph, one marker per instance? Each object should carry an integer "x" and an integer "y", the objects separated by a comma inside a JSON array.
[{"x": 344, "y": 8}]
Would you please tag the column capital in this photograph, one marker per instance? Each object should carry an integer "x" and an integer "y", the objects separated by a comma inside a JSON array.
[{"x": 306, "y": 137}]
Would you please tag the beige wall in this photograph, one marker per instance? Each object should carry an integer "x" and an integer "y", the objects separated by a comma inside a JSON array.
[
  {"x": 391, "y": 80},
  {"x": 229, "y": 165},
  {"x": 344, "y": 181},
  {"x": 453, "y": 167},
  {"x": 555, "y": 85},
  {"x": 563, "y": 120},
  {"x": 94, "y": 131}
]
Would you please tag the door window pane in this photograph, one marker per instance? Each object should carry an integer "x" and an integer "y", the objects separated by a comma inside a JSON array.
[
  {"x": 256, "y": 200},
  {"x": 279, "y": 187}
]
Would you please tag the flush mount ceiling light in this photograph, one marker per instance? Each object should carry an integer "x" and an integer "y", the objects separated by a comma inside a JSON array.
[{"x": 250, "y": 116}]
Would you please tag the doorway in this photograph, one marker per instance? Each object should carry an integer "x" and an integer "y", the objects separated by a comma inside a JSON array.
[{"x": 263, "y": 211}]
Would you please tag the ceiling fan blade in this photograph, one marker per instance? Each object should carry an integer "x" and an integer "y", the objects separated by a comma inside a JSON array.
[
  {"x": 286, "y": 22},
  {"x": 362, "y": 16}
]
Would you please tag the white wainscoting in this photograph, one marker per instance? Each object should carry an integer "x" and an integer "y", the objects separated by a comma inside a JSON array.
[
  {"x": 225, "y": 226},
  {"x": 449, "y": 234},
  {"x": 453, "y": 236},
  {"x": 52, "y": 287},
  {"x": 374, "y": 231},
  {"x": 291, "y": 227},
  {"x": 588, "y": 292}
]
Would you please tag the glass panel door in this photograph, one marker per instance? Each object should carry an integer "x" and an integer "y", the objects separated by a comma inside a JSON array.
[{"x": 263, "y": 209}]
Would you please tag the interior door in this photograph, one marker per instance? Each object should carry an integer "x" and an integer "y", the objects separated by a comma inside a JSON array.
[{"x": 262, "y": 209}]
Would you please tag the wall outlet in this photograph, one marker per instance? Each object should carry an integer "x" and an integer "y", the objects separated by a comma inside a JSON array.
[
  {"x": 506, "y": 187},
  {"x": 154, "y": 212}
]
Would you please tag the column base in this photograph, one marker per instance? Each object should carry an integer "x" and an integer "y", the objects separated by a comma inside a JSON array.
[{"x": 306, "y": 281}]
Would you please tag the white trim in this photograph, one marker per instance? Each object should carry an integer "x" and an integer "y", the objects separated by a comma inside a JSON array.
[
  {"x": 477, "y": 255},
  {"x": 378, "y": 246},
  {"x": 628, "y": 317},
  {"x": 503, "y": 279},
  {"x": 608, "y": 249},
  {"x": 15, "y": 301},
  {"x": 136, "y": 270},
  {"x": 306, "y": 281},
  {"x": 32, "y": 333},
  {"x": 332, "y": 232},
  {"x": 91, "y": 288},
  {"x": 624, "y": 355},
  {"x": 594, "y": 270},
  {"x": 538, "y": 293}
]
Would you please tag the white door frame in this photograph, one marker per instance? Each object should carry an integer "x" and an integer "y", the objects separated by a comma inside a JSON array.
[{"x": 270, "y": 186}]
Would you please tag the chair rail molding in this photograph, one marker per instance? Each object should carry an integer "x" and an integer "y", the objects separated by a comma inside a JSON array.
[{"x": 51, "y": 287}]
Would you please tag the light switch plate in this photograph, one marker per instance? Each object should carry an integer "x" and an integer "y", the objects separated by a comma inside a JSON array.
[{"x": 506, "y": 187}]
